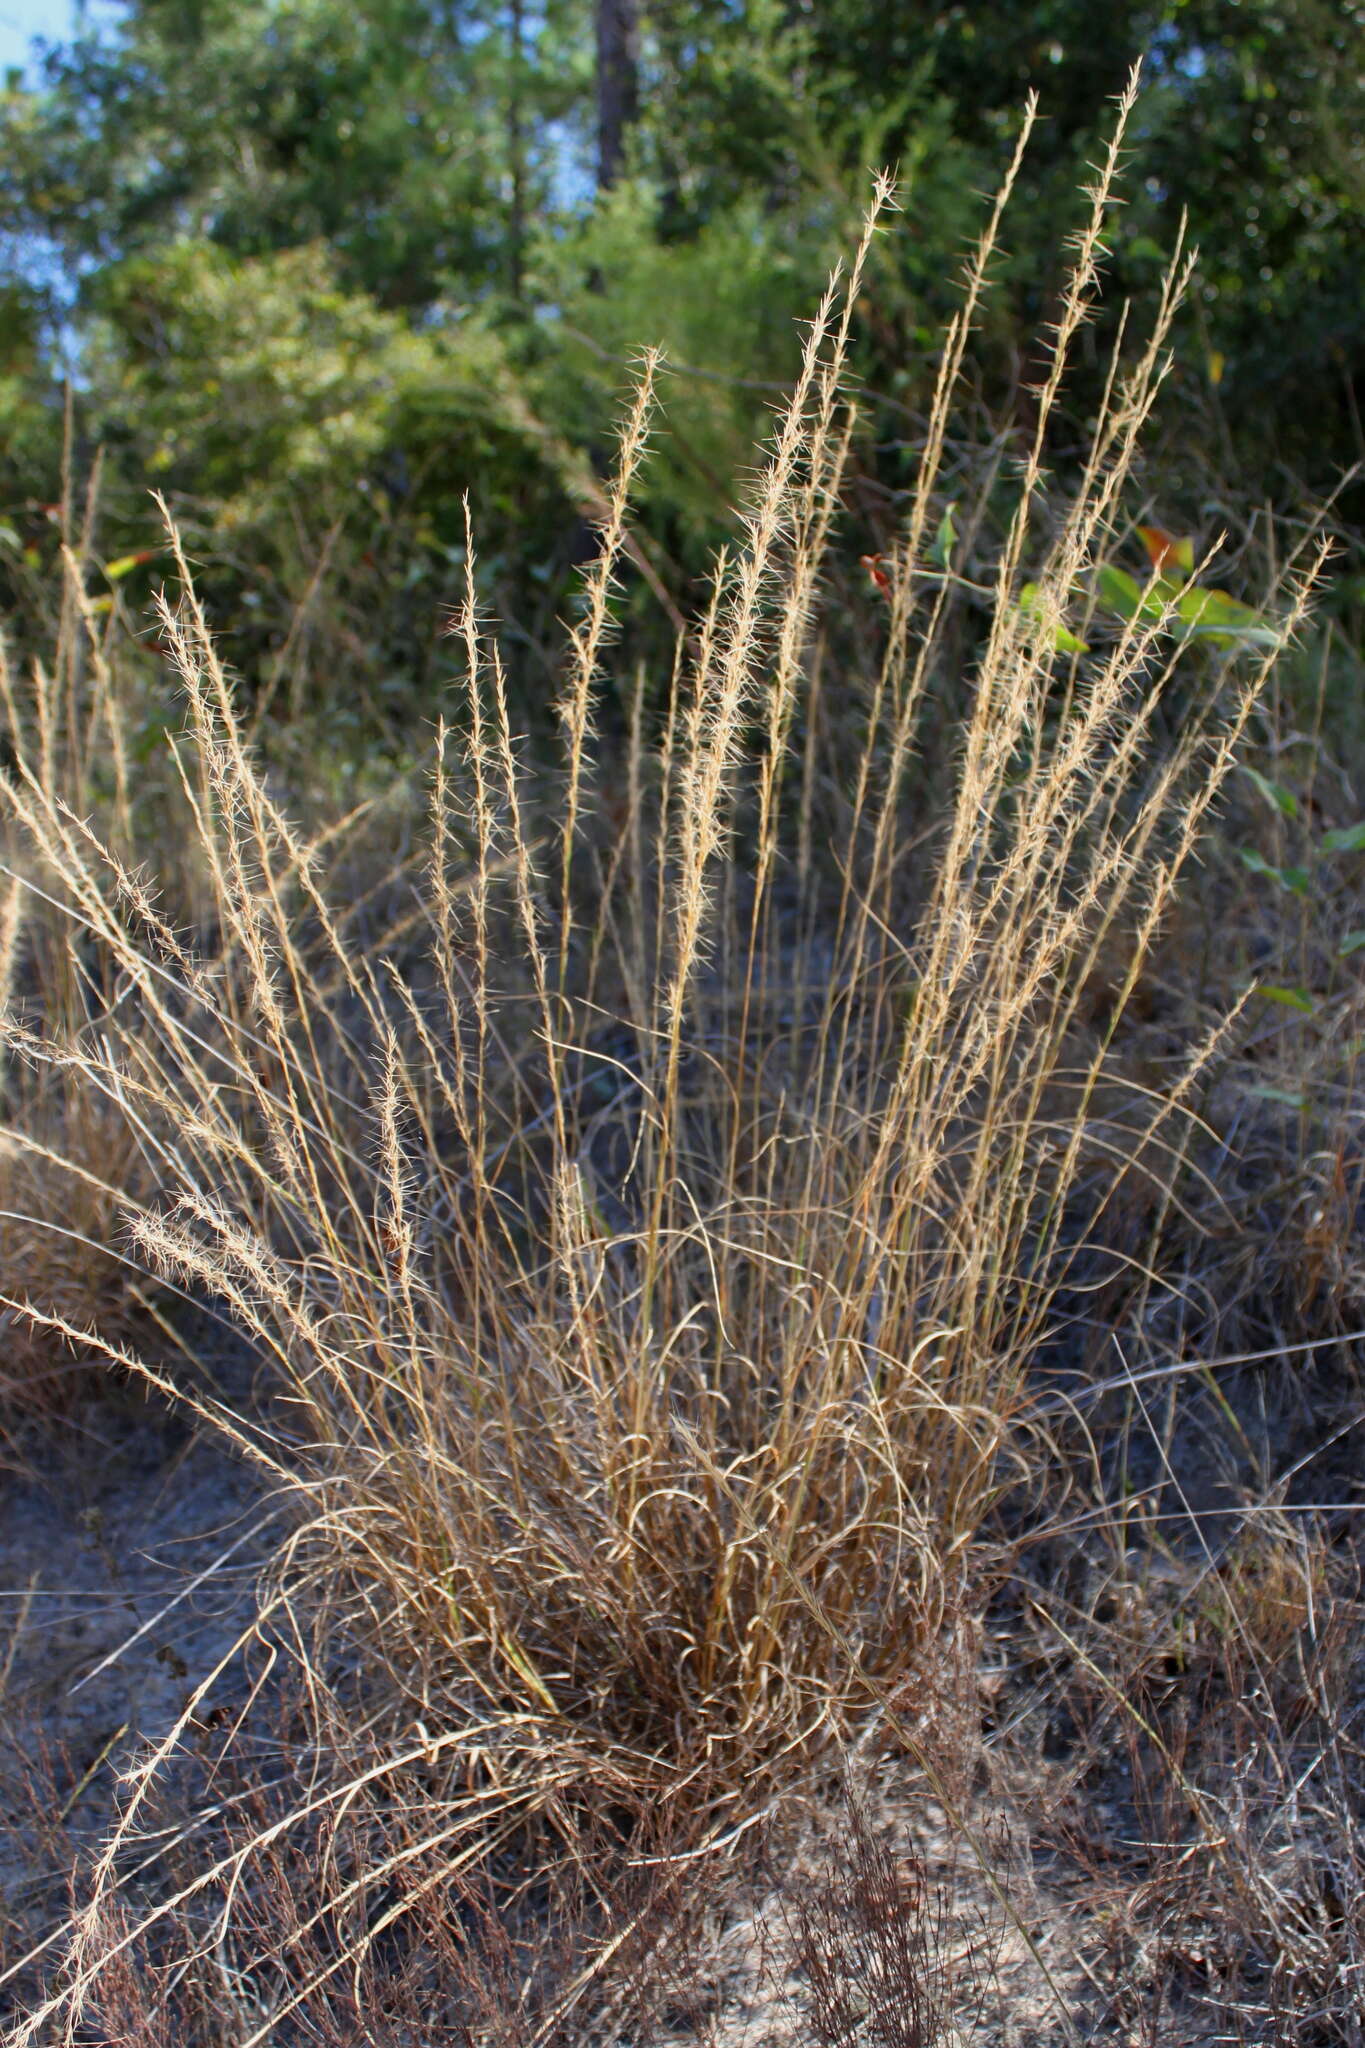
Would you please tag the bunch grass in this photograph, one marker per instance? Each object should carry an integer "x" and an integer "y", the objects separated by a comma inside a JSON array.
[{"x": 649, "y": 1235}]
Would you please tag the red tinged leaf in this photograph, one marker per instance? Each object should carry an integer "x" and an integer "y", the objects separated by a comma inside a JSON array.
[
  {"x": 880, "y": 580},
  {"x": 124, "y": 566},
  {"x": 1165, "y": 551}
]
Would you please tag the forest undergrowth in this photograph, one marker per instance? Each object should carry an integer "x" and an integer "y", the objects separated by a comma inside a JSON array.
[{"x": 781, "y": 1284}]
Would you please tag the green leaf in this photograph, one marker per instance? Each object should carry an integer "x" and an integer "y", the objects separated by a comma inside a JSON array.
[
  {"x": 1296, "y": 880},
  {"x": 1119, "y": 591},
  {"x": 125, "y": 564},
  {"x": 1352, "y": 943},
  {"x": 1290, "y": 998},
  {"x": 525, "y": 1669},
  {"x": 1296, "y": 999},
  {"x": 1290, "y": 1101},
  {"x": 1063, "y": 639},
  {"x": 1215, "y": 616},
  {"x": 1275, "y": 793},
  {"x": 1347, "y": 839},
  {"x": 945, "y": 540}
]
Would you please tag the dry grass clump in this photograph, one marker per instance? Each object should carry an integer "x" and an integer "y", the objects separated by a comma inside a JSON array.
[
  {"x": 70, "y": 1160},
  {"x": 424, "y": 1953},
  {"x": 814, "y": 1943},
  {"x": 1196, "y": 1674},
  {"x": 78, "y": 1157},
  {"x": 1274, "y": 1255},
  {"x": 648, "y": 1249},
  {"x": 53, "y": 1233},
  {"x": 870, "y": 1948}
]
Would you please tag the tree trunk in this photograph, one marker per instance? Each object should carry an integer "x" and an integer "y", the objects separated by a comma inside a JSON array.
[
  {"x": 516, "y": 151},
  {"x": 618, "y": 84}
]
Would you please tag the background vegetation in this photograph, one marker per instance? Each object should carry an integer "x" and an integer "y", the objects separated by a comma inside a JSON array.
[{"x": 314, "y": 271}]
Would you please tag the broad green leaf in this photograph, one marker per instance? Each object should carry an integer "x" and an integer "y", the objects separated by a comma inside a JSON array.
[
  {"x": 945, "y": 540},
  {"x": 1296, "y": 880},
  {"x": 1290, "y": 998},
  {"x": 1119, "y": 591},
  {"x": 1063, "y": 639},
  {"x": 1202, "y": 606},
  {"x": 1347, "y": 839},
  {"x": 1275, "y": 793},
  {"x": 1216, "y": 616},
  {"x": 1352, "y": 943}
]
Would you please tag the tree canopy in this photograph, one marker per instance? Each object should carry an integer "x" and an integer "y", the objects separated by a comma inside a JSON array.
[{"x": 317, "y": 269}]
